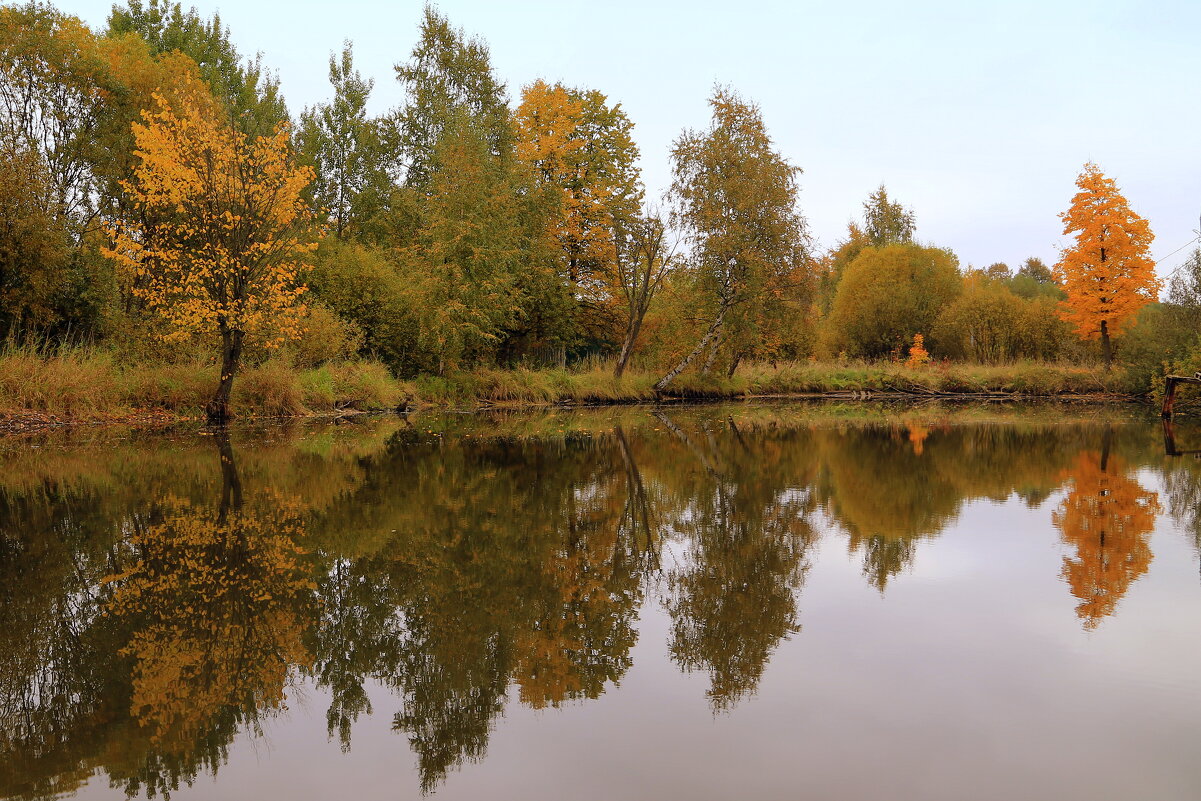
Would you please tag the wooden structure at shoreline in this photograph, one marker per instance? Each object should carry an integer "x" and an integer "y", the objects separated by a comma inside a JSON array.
[{"x": 1169, "y": 394}]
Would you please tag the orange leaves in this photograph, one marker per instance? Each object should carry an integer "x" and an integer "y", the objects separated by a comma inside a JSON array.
[
  {"x": 548, "y": 121},
  {"x": 216, "y": 235},
  {"x": 918, "y": 355},
  {"x": 1107, "y": 272},
  {"x": 1106, "y": 517}
]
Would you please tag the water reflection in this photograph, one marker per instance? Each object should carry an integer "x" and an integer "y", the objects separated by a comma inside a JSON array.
[
  {"x": 213, "y": 607},
  {"x": 1182, "y": 481},
  {"x": 1107, "y": 517},
  {"x": 162, "y": 597}
]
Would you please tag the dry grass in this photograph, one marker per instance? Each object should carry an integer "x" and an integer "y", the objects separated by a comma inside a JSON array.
[
  {"x": 81, "y": 383},
  {"x": 596, "y": 385},
  {"x": 1022, "y": 378}
]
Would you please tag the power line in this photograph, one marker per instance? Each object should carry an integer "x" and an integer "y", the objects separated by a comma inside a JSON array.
[
  {"x": 1177, "y": 250},
  {"x": 1180, "y": 266}
]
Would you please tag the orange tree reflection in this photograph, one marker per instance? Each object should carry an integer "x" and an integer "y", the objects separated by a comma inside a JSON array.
[{"x": 1107, "y": 517}]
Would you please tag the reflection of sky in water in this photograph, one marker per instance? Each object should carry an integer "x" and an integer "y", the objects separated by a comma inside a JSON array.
[{"x": 969, "y": 677}]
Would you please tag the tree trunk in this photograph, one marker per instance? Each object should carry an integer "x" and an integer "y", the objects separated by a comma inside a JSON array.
[
  {"x": 637, "y": 501},
  {"x": 734, "y": 365},
  {"x": 1106, "y": 346},
  {"x": 713, "y": 349},
  {"x": 218, "y": 409},
  {"x": 683, "y": 365},
  {"x": 231, "y": 485},
  {"x": 627, "y": 347},
  {"x": 1106, "y": 443}
]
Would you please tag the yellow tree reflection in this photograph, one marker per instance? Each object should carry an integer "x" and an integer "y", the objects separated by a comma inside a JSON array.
[
  {"x": 582, "y": 628},
  {"x": 218, "y": 602},
  {"x": 1107, "y": 517}
]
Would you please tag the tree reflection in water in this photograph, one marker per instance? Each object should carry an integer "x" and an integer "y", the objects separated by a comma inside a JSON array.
[
  {"x": 216, "y": 603},
  {"x": 1107, "y": 517},
  {"x": 155, "y": 608}
]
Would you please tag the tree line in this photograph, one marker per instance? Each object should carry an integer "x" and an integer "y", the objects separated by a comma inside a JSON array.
[{"x": 161, "y": 198}]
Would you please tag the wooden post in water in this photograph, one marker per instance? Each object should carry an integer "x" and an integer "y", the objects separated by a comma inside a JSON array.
[{"x": 1169, "y": 393}]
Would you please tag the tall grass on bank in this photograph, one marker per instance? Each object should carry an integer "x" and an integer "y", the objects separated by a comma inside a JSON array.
[
  {"x": 1021, "y": 378},
  {"x": 596, "y": 383},
  {"x": 80, "y": 382}
]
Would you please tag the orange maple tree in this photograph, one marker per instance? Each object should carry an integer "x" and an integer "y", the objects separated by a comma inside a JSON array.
[
  {"x": 1107, "y": 274},
  {"x": 217, "y": 229}
]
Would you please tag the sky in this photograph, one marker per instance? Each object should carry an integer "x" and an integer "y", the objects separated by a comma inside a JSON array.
[{"x": 976, "y": 115}]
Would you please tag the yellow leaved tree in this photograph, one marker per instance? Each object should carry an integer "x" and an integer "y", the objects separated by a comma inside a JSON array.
[
  {"x": 582, "y": 148},
  {"x": 1107, "y": 274},
  {"x": 217, "y": 229}
]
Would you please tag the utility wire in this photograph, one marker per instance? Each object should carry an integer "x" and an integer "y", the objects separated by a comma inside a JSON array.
[
  {"x": 1180, "y": 266},
  {"x": 1177, "y": 250}
]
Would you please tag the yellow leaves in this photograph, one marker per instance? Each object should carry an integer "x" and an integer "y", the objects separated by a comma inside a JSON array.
[
  {"x": 217, "y": 235},
  {"x": 219, "y": 604},
  {"x": 581, "y": 149}
]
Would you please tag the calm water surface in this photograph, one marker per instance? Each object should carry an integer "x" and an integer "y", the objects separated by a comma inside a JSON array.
[{"x": 760, "y": 602}]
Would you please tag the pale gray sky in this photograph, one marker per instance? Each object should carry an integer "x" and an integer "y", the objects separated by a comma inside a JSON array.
[{"x": 977, "y": 115}]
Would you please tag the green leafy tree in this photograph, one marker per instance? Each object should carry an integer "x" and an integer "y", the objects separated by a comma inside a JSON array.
[
  {"x": 447, "y": 76},
  {"x": 889, "y": 294},
  {"x": 464, "y": 267},
  {"x": 1037, "y": 270},
  {"x": 342, "y": 144},
  {"x": 1034, "y": 279},
  {"x": 1184, "y": 293},
  {"x": 34, "y": 245},
  {"x": 582, "y": 150},
  {"x": 248, "y": 91},
  {"x": 735, "y": 197},
  {"x": 983, "y": 323},
  {"x": 362, "y": 284},
  {"x": 54, "y": 84},
  {"x": 998, "y": 271},
  {"x": 886, "y": 222}
]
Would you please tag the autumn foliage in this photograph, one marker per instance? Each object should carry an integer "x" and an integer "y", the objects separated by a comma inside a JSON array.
[
  {"x": 1107, "y": 272},
  {"x": 215, "y": 241},
  {"x": 1106, "y": 517},
  {"x": 159, "y": 202},
  {"x": 918, "y": 355}
]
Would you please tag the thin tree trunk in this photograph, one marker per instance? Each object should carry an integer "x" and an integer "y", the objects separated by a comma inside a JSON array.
[
  {"x": 1106, "y": 346},
  {"x": 713, "y": 349},
  {"x": 1106, "y": 444},
  {"x": 231, "y": 355},
  {"x": 627, "y": 347},
  {"x": 734, "y": 365},
  {"x": 231, "y": 485},
  {"x": 637, "y": 502},
  {"x": 683, "y": 437},
  {"x": 683, "y": 365}
]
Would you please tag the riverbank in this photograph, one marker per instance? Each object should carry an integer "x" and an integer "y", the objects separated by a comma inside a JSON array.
[
  {"x": 89, "y": 387},
  {"x": 598, "y": 386},
  {"x": 84, "y": 386}
]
